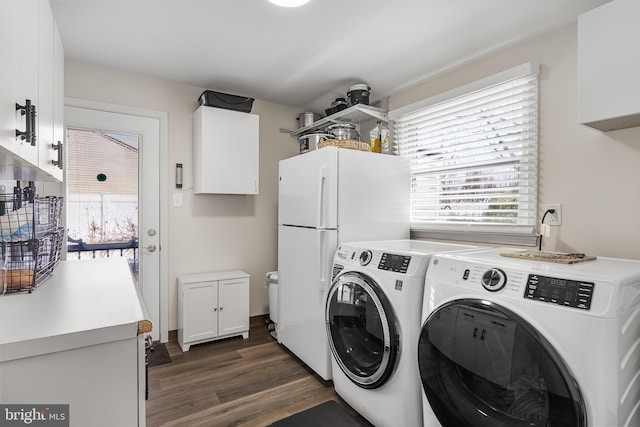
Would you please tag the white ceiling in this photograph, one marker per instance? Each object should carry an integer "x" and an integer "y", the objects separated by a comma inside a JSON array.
[{"x": 305, "y": 56}]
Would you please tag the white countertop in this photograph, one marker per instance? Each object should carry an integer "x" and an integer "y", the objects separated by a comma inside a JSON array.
[{"x": 85, "y": 302}]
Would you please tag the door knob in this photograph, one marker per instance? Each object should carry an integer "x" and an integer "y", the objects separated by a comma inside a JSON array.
[
  {"x": 151, "y": 248},
  {"x": 151, "y": 232}
]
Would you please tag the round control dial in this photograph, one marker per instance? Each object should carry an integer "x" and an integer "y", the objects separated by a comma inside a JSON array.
[
  {"x": 365, "y": 257},
  {"x": 494, "y": 279}
]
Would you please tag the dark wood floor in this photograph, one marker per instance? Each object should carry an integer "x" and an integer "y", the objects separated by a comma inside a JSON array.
[{"x": 233, "y": 382}]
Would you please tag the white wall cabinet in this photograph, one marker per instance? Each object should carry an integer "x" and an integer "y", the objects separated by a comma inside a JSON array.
[
  {"x": 609, "y": 66},
  {"x": 19, "y": 47},
  {"x": 226, "y": 152},
  {"x": 212, "y": 306},
  {"x": 50, "y": 93},
  {"x": 33, "y": 67}
]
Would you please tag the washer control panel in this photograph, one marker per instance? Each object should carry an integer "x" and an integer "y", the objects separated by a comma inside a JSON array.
[
  {"x": 570, "y": 293},
  {"x": 395, "y": 263},
  {"x": 494, "y": 279},
  {"x": 365, "y": 258}
]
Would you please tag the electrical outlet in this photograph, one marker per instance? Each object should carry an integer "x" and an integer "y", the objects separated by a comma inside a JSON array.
[{"x": 555, "y": 218}]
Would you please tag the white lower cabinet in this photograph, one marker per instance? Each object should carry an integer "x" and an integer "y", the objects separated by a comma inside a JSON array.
[
  {"x": 66, "y": 346},
  {"x": 86, "y": 379},
  {"x": 212, "y": 306}
]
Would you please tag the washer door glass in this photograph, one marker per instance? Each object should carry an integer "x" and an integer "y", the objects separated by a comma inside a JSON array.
[
  {"x": 483, "y": 365},
  {"x": 362, "y": 330}
]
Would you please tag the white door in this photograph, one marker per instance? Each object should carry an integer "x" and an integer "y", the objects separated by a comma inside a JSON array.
[
  {"x": 149, "y": 233},
  {"x": 308, "y": 189}
]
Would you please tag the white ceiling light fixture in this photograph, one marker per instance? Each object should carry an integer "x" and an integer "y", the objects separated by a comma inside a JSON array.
[{"x": 290, "y": 3}]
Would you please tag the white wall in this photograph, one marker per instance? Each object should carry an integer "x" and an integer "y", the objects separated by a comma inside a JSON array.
[
  {"x": 209, "y": 232},
  {"x": 594, "y": 175},
  {"x": 581, "y": 168}
]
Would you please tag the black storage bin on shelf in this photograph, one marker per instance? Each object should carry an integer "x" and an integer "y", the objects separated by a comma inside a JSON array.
[{"x": 227, "y": 101}]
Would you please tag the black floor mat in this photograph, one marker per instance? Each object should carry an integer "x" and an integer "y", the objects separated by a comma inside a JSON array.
[
  {"x": 328, "y": 414},
  {"x": 159, "y": 355}
]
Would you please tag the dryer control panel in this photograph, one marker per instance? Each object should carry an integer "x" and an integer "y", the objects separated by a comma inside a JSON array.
[
  {"x": 570, "y": 293},
  {"x": 395, "y": 263}
]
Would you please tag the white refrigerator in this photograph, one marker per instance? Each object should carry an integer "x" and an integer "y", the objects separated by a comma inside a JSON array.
[{"x": 326, "y": 197}]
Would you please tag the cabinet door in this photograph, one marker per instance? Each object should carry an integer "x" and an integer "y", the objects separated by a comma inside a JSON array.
[
  {"x": 608, "y": 66},
  {"x": 46, "y": 29},
  {"x": 234, "y": 306},
  {"x": 9, "y": 29},
  {"x": 19, "y": 74},
  {"x": 226, "y": 152},
  {"x": 27, "y": 78},
  {"x": 58, "y": 107},
  {"x": 200, "y": 311},
  {"x": 50, "y": 96}
]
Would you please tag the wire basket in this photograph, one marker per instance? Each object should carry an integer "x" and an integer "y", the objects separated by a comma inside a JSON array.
[
  {"x": 345, "y": 143},
  {"x": 27, "y": 264},
  {"x": 30, "y": 241}
]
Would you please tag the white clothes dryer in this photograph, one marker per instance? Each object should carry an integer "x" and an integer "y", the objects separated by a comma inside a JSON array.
[
  {"x": 373, "y": 323},
  {"x": 509, "y": 342}
]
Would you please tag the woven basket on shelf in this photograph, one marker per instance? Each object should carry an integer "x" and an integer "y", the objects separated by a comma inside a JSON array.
[{"x": 345, "y": 143}]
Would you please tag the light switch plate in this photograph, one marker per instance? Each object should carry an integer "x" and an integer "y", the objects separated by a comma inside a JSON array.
[{"x": 177, "y": 200}]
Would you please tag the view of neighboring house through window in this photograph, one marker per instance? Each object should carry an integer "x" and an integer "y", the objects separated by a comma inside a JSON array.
[
  {"x": 474, "y": 159},
  {"x": 102, "y": 195}
]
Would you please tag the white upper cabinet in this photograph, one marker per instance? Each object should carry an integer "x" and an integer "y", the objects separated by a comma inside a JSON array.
[
  {"x": 51, "y": 58},
  {"x": 56, "y": 153},
  {"x": 19, "y": 83},
  {"x": 226, "y": 152},
  {"x": 30, "y": 62},
  {"x": 609, "y": 66}
]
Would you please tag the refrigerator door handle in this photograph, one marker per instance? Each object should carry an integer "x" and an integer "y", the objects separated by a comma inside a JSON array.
[
  {"x": 321, "y": 198},
  {"x": 322, "y": 243}
]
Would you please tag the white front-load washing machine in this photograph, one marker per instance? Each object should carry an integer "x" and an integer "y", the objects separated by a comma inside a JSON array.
[
  {"x": 373, "y": 322},
  {"x": 509, "y": 342}
]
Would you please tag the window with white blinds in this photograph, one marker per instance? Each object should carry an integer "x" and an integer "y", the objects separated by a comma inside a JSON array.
[{"x": 474, "y": 159}]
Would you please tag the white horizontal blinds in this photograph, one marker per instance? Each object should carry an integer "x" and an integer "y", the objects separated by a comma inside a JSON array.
[{"x": 474, "y": 159}]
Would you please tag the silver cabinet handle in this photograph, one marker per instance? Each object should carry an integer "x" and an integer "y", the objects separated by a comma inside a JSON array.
[
  {"x": 57, "y": 147},
  {"x": 28, "y": 110},
  {"x": 151, "y": 248}
]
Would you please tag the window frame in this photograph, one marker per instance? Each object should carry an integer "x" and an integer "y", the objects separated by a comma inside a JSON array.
[{"x": 525, "y": 235}]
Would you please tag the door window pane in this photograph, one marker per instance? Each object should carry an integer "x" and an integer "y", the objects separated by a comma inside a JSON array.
[
  {"x": 481, "y": 364},
  {"x": 102, "y": 195},
  {"x": 362, "y": 332}
]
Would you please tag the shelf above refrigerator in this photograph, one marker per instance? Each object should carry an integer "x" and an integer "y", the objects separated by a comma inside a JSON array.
[{"x": 353, "y": 114}]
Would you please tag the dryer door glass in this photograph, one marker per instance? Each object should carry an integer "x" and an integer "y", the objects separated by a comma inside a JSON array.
[
  {"x": 362, "y": 330},
  {"x": 483, "y": 365}
]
